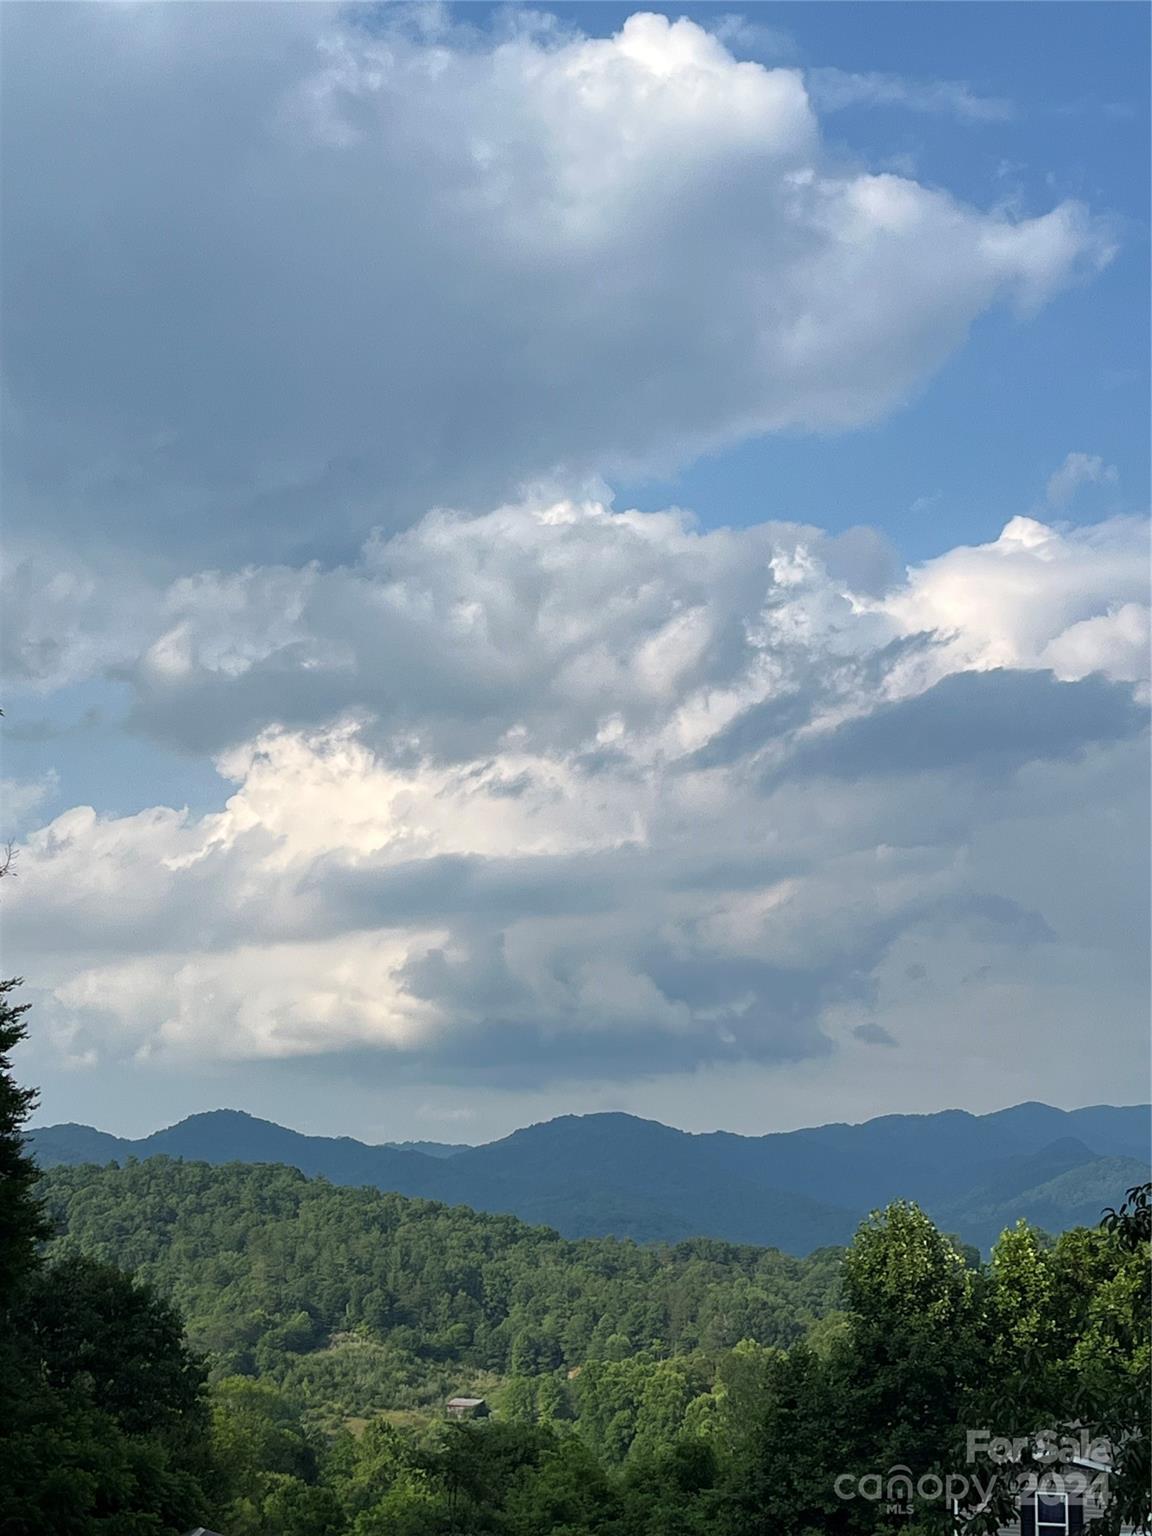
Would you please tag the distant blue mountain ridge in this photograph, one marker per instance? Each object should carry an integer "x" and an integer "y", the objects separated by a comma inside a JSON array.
[{"x": 617, "y": 1175}]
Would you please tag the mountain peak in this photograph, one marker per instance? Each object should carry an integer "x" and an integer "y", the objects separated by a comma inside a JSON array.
[
  {"x": 222, "y": 1117},
  {"x": 613, "y": 1173}
]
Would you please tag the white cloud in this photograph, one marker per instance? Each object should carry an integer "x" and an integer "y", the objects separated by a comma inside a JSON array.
[
  {"x": 835, "y": 89},
  {"x": 19, "y": 798},
  {"x": 1115, "y": 643},
  {"x": 545, "y": 789},
  {"x": 1073, "y": 600},
  {"x": 567, "y": 626},
  {"x": 1077, "y": 470},
  {"x": 263, "y": 1001},
  {"x": 343, "y": 256},
  {"x": 68, "y": 618},
  {"x": 559, "y": 789}
]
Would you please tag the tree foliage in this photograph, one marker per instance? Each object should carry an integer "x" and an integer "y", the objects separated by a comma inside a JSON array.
[
  {"x": 358, "y": 1301},
  {"x": 706, "y": 1389},
  {"x": 700, "y": 1390},
  {"x": 22, "y": 1223},
  {"x": 102, "y": 1408}
]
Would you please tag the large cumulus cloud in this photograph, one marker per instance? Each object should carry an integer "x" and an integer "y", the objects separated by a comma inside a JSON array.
[
  {"x": 276, "y": 274},
  {"x": 561, "y": 790},
  {"x": 531, "y": 787}
]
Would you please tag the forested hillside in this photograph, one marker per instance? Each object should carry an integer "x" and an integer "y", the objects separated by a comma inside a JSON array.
[
  {"x": 271, "y": 1355},
  {"x": 704, "y": 1390},
  {"x": 360, "y": 1300}
]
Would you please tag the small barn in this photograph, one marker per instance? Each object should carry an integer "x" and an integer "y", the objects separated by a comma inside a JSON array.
[{"x": 466, "y": 1408}]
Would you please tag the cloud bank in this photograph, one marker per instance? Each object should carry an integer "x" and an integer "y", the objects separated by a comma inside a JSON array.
[
  {"x": 275, "y": 275},
  {"x": 560, "y": 790},
  {"x": 531, "y": 788}
]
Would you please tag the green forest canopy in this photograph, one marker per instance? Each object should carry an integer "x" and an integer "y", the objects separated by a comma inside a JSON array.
[
  {"x": 362, "y": 1300},
  {"x": 701, "y": 1390}
]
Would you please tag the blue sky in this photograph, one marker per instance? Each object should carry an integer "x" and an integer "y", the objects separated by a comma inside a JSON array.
[
  {"x": 472, "y": 473},
  {"x": 979, "y": 440}
]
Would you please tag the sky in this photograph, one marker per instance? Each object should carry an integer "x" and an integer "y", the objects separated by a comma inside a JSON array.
[{"x": 575, "y": 559}]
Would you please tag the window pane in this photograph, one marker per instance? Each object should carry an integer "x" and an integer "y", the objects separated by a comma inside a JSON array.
[{"x": 1051, "y": 1514}]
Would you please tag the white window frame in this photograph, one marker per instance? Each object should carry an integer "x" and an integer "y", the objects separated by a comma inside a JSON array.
[{"x": 1047, "y": 1527}]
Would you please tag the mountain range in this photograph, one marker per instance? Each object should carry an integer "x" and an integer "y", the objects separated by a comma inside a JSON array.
[{"x": 615, "y": 1174}]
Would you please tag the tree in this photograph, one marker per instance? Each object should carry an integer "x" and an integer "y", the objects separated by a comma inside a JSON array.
[
  {"x": 788, "y": 1446},
  {"x": 22, "y": 1222},
  {"x": 914, "y": 1351},
  {"x": 1067, "y": 1352},
  {"x": 1113, "y": 1359},
  {"x": 261, "y": 1452},
  {"x": 566, "y": 1494},
  {"x": 109, "y": 1432},
  {"x": 518, "y": 1404},
  {"x": 104, "y": 1335},
  {"x": 368, "y": 1467},
  {"x": 671, "y": 1491},
  {"x": 292, "y": 1507},
  {"x": 1131, "y": 1225},
  {"x": 105, "y": 1432},
  {"x": 478, "y": 1463},
  {"x": 889, "y": 1388},
  {"x": 69, "y": 1469}
]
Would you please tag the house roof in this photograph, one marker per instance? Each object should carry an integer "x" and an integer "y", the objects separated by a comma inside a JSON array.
[{"x": 465, "y": 1402}]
